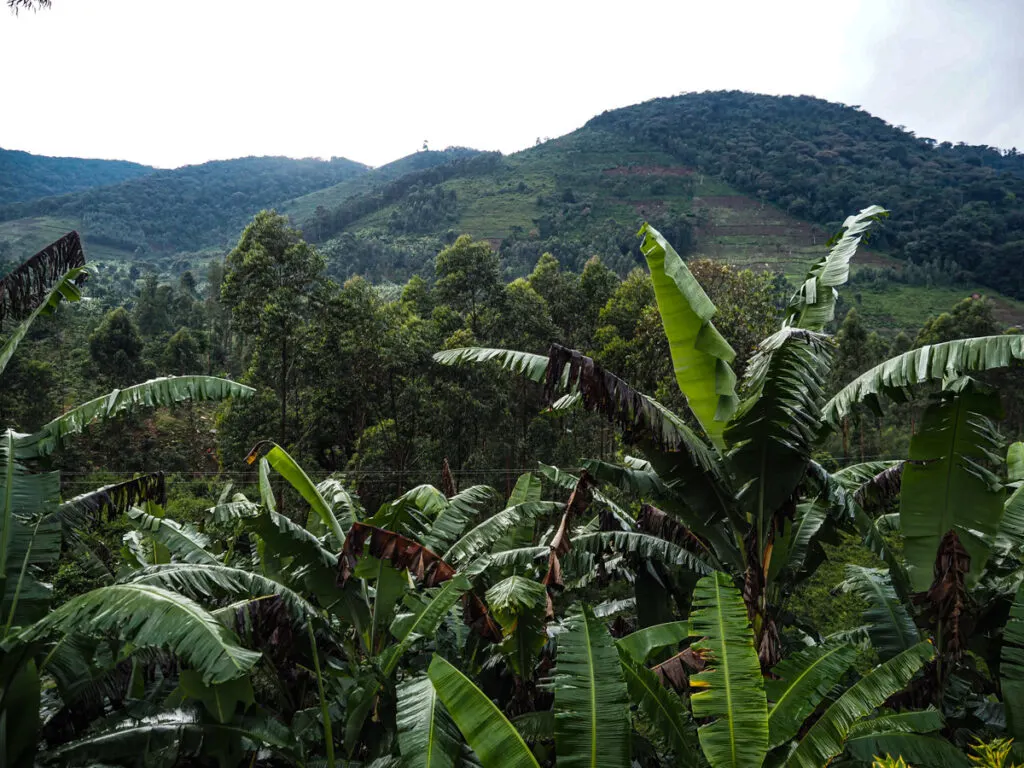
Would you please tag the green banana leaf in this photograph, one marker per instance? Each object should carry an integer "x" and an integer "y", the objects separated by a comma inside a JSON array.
[
  {"x": 776, "y": 428},
  {"x": 890, "y": 626},
  {"x": 701, "y": 356},
  {"x": 935, "y": 362},
  {"x": 663, "y": 709},
  {"x": 29, "y": 534},
  {"x": 168, "y": 390},
  {"x": 533, "y": 367},
  {"x": 1011, "y": 668},
  {"x": 289, "y": 469},
  {"x": 478, "y": 540},
  {"x": 205, "y": 582},
  {"x": 814, "y": 303},
  {"x": 488, "y": 732},
  {"x": 642, "y": 643},
  {"x": 731, "y": 688},
  {"x": 180, "y": 732},
  {"x": 827, "y": 737},
  {"x": 455, "y": 514},
  {"x": 146, "y": 616},
  {"x": 800, "y": 684},
  {"x": 427, "y": 735},
  {"x": 948, "y": 487},
  {"x": 592, "y": 722},
  {"x": 1015, "y": 462},
  {"x": 182, "y": 541},
  {"x": 527, "y": 488}
]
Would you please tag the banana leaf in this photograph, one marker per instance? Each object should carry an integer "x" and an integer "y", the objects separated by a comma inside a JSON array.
[
  {"x": 488, "y": 732},
  {"x": 427, "y": 735},
  {"x": 799, "y": 684},
  {"x": 701, "y": 356},
  {"x": 730, "y": 689},
  {"x": 146, "y": 616},
  {"x": 935, "y": 362},
  {"x": 948, "y": 486},
  {"x": 813, "y": 305},
  {"x": 827, "y": 737},
  {"x": 150, "y": 394},
  {"x": 592, "y": 722}
]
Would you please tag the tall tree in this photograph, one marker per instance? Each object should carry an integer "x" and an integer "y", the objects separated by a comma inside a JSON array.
[
  {"x": 116, "y": 347},
  {"x": 468, "y": 277},
  {"x": 274, "y": 281}
]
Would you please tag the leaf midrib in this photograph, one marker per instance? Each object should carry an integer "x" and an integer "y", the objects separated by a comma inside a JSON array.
[
  {"x": 799, "y": 678},
  {"x": 430, "y": 727},
  {"x": 724, "y": 659},
  {"x": 593, "y": 693}
]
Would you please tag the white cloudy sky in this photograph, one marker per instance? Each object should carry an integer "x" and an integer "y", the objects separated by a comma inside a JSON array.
[{"x": 172, "y": 82}]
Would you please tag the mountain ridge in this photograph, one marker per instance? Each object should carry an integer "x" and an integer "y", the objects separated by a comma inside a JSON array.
[
  {"x": 25, "y": 176},
  {"x": 756, "y": 180}
]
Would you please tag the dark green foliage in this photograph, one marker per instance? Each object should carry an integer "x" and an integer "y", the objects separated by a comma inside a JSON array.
[
  {"x": 813, "y": 158},
  {"x": 25, "y": 177},
  {"x": 116, "y": 348},
  {"x": 189, "y": 208}
]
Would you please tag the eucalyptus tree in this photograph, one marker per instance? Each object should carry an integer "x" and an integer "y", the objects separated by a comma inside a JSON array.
[
  {"x": 34, "y": 521},
  {"x": 272, "y": 281}
]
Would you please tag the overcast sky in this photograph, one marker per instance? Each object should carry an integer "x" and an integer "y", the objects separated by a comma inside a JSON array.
[{"x": 173, "y": 82}]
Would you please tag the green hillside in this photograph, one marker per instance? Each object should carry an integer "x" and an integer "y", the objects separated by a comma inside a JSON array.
[
  {"x": 185, "y": 209},
  {"x": 24, "y": 176},
  {"x": 753, "y": 180},
  {"x": 304, "y": 208}
]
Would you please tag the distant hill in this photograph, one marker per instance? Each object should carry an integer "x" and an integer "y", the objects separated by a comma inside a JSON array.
[
  {"x": 304, "y": 208},
  {"x": 185, "y": 209},
  {"x": 954, "y": 207},
  {"x": 754, "y": 180},
  {"x": 24, "y": 176}
]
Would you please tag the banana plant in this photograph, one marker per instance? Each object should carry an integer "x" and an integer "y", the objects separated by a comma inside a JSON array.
[
  {"x": 960, "y": 521},
  {"x": 732, "y": 467},
  {"x": 34, "y": 523},
  {"x": 376, "y": 605},
  {"x": 805, "y": 713}
]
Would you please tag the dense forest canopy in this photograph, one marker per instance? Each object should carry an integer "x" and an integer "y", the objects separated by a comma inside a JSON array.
[
  {"x": 24, "y": 176},
  {"x": 813, "y": 158},
  {"x": 188, "y": 208}
]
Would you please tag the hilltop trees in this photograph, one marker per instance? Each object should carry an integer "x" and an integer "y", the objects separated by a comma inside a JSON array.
[{"x": 813, "y": 158}]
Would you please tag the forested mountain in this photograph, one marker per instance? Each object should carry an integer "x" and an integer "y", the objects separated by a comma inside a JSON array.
[
  {"x": 750, "y": 179},
  {"x": 306, "y": 207},
  {"x": 190, "y": 208},
  {"x": 815, "y": 159},
  {"x": 24, "y": 176},
  {"x": 685, "y": 160}
]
